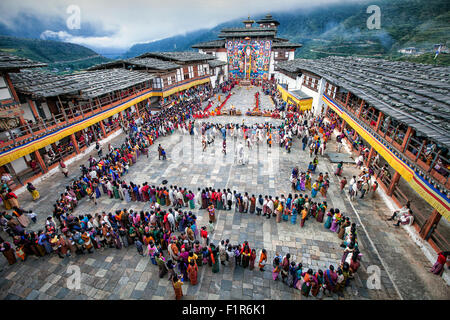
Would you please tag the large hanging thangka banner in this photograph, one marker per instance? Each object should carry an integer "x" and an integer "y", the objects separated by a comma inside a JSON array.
[{"x": 249, "y": 59}]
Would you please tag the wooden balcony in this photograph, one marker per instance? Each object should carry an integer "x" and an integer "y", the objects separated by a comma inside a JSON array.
[
  {"x": 407, "y": 156},
  {"x": 40, "y": 129}
]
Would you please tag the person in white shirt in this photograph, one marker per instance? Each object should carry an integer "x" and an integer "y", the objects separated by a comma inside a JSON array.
[
  {"x": 350, "y": 185},
  {"x": 397, "y": 213},
  {"x": 171, "y": 196},
  {"x": 229, "y": 199},
  {"x": 245, "y": 202},
  {"x": 224, "y": 199},
  {"x": 359, "y": 161},
  {"x": 180, "y": 198},
  {"x": 171, "y": 220},
  {"x": 198, "y": 196},
  {"x": 270, "y": 206},
  {"x": 93, "y": 174},
  {"x": 259, "y": 205},
  {"x": 265, "y": 202},
  {"x": 406, "y": 218},
  {"x": 354, "y": 191}
]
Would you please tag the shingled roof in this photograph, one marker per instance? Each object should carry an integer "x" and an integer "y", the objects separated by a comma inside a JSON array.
[
  {"x": 44, "y": 84},
  {"x": 13, "y": 63},
  {"x": 415, "y": 94},
  {"x": 248, "y": 32},
  {"x": 180, "y": 56},
  {"x": 268, "y": 19},
  {"x": 216, "y": 63},
  {"x": 100, "y": 82},
  {"x": 210, "y": 44},
  {"x": 285, "y": 44},
  {"x": 85, "y": 85},
  {"x": 153, "y": 63},
  {"x": 111, "y": 64}
]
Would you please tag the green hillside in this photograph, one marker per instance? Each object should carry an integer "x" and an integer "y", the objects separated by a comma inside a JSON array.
[
  {"x": 341, "y": 29},
  {"x": 59, "y": 55},
  {"x": 412, "y": 23}
]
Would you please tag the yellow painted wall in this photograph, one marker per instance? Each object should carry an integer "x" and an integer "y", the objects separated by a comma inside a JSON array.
[
  {"x": 303, "y": 104},
  {"x": 20, "y": 151}
]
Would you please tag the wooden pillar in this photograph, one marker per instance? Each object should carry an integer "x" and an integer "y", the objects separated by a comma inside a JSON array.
[
  {"x": 406, "y": 139},
  {"x": 11, "y": 87},
  {"x": 371, "y": 152},
  {"x": 394, "y": 181},
  {"x": 434, "y": 218},
  {"x": 360, "y": 109},
  {"x": 102, "y": 126},
  {"x": 380, "y": 118},
  {"x": 40, "y": 161},
  {"x": 346, "y": 100},
  {"x": 343, "y": 125},
  {"x": 33, "y": 109},
  {"x": 136, "y": 106},
  {"x": 420, "y": 150},
  {"x": 75, "y": 143},
  {"x": 22, "y": 122}
]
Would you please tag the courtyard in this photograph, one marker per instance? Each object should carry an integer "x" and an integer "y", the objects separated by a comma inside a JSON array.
[{"x": 123, "y": 274}]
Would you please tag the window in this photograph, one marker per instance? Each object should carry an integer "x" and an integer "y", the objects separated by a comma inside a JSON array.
[
  {"x": 200, "y": 70},
  {"x": 276, "y": 54},
  {"x": 286, "y": 54},
  {"x": 40, "y": 110},
  {"x": 191, "y": 71},
  {"x": 157, "y": 83},
  {"x": 169, "y": 80},
  {"x": 180, "y": 75},
  {"x": 330, "y": 90},
  {"x": 4, "y": 90},
  {"x": 310, "y": 82}
]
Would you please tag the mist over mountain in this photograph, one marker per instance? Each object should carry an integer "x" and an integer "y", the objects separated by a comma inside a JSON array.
[
  {"x": 332, "y": 29},
  {"x": 341, "y": 29},
  {"x": 60, "y": 56}
]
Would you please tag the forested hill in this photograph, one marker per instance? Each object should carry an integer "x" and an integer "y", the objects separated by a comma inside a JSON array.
[
  {"x": 341, "y": 29},
  {"x": 63, "y": 56}
]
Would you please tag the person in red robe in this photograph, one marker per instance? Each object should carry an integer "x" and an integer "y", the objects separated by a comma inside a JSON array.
[
  {"x": 252, "y": 259},
  {"x": 438, "y": 267},
  {"x": 8, "y": 252},
  {"x": 192, "y": 272}
]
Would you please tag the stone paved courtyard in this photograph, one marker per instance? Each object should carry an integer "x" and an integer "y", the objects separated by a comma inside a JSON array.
[{"x": 123, "y": 274}]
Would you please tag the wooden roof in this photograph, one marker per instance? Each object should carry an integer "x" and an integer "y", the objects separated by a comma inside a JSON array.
[
  {"x": 178, "y": 56},
  {"x": 83, "y": 85},
  {"x": 210, "y": 44},
  {"x": 216, "y": 63},
  {"x": 44, "y": 84},
  {"x": 414, "y": 94},
  {"x": 13, "y": 63},
  {"x": 101, "y": 82},
  {"x": 153, "y": 63}
]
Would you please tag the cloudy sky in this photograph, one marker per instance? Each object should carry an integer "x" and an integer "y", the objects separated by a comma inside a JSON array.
[{"x": 120, "y": 24}]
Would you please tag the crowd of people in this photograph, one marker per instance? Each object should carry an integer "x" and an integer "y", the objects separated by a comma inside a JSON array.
[{"x": 168, "y": 233}]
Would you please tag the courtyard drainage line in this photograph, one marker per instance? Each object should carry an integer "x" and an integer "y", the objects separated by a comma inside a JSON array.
[{"x": 371, "y": 242}]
